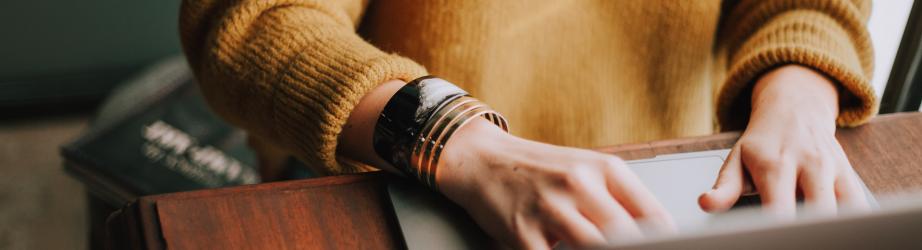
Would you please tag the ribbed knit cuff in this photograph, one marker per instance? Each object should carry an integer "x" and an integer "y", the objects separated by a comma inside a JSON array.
[
  {"x": 289, "y": 72},
  {"x": 320, "y": 98},
  {"x": 808, "y": 38}
]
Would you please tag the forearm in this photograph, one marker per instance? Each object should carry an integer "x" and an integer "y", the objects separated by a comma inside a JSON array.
[{"x": 355, "y": 140}]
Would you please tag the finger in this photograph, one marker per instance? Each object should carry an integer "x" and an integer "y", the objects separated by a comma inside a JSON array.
[
  {"x": 531, "y": 237},
  {"x": 817, "y": 185},
  {"x": 728, "y": 187},
  {"x": 777, "y": 187},
  {"x": 634, "y": 197},
  {"x": 611, "y": 218},
  {"x": 849, "y": 192},
  {"x": 572, "y": 227}
]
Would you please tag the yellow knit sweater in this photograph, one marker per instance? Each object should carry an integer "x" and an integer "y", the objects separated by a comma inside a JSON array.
[{"x": 577, "y": 73}]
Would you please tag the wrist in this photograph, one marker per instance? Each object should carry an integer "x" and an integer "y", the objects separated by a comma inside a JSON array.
[
  {"x": 795, "y": 90},
  {"x": 467, "y": 155},
  {"x": 356, "y": 136},
  {"x": 415, "y": 125}
]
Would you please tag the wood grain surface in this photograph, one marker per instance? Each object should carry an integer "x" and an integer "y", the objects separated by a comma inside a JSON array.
[{"x": 353, "y": 211}]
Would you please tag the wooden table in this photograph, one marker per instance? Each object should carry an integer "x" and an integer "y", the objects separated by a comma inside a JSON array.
[{"x": 353, "y": 211}]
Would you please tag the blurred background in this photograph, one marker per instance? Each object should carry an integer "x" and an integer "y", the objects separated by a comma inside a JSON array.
[{"x": 59, "y": 60}]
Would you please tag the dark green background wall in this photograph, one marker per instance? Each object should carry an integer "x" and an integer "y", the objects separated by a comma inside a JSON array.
[{"x": 52, "y": 50}]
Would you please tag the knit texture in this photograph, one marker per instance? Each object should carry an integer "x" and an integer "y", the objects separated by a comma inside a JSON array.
[
  {"x": 828, "y": 36},
  {"x": 289, "y": 71},
  {"x": 585, "y": 73}
]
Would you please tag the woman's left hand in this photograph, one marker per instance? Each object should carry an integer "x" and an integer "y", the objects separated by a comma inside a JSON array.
[{"x": 789, "y": 149}]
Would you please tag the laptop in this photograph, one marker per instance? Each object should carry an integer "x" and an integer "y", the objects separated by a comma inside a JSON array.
[
  {"x": 430, "y": 221},
  {"x": 894, "y": 224}
]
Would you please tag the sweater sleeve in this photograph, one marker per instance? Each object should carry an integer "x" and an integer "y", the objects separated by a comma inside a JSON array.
[
  {"x": 289, "y": 71},
  {"x": 826, "y": 35}
]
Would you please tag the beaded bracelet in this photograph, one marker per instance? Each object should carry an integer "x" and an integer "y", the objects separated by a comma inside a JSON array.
[{"x": 418, "y": 121}]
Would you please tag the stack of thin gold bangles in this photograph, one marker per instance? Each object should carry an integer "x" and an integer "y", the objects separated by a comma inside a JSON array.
[
  {"x": 435, "y": 134},
  {"x": 416, "y": 124}
]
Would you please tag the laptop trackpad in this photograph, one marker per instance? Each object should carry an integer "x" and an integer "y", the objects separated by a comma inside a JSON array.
[{"x": 678, "y": 181}]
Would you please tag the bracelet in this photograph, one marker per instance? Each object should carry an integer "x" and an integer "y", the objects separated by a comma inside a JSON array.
[
  {"x": 405, "y": 114},
  {"x": 461, "y": 111},
  {"x": 417, "y": 122}
]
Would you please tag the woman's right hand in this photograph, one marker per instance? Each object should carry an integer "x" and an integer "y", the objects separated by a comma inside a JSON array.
[{"x": 529, "y": 195}]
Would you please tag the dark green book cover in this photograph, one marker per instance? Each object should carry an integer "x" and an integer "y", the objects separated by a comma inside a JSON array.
[{"x": 157, "y": 135}]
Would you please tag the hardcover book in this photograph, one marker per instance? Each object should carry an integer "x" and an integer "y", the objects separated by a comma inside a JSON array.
[{"x": 157, "y": 135}]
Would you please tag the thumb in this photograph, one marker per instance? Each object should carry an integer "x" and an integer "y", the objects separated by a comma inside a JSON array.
[{"x": 728, "y": 187}]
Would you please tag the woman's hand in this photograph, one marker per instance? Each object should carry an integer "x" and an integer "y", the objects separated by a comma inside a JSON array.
[
  {"x": 529, "y": 195},
  {"x": 789, "y": 147},
  {"x": 524, "y": 193}
]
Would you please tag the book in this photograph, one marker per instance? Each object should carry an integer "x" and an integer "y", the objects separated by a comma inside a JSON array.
[{"x": 157, "y": 135}]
